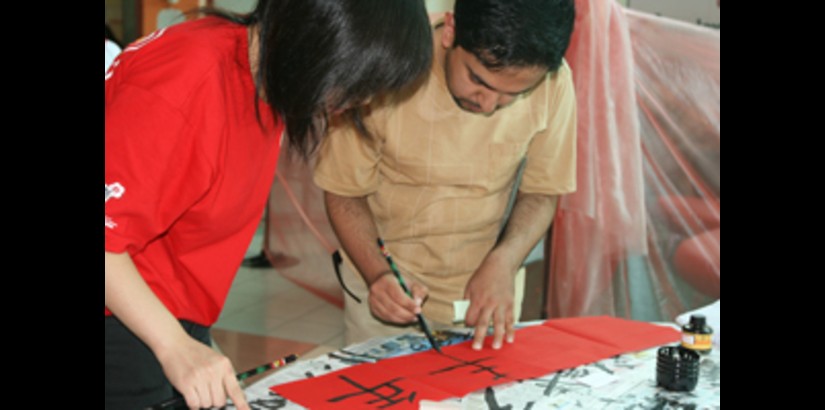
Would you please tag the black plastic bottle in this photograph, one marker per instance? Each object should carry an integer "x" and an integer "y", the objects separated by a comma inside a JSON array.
[{"x": 697, "y": 335}]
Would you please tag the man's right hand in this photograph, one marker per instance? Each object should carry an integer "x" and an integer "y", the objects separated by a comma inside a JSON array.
[{"x": 389, "y": 303}]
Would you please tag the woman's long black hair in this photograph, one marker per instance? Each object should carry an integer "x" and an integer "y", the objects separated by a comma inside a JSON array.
[{"x": 322, "y": 55}]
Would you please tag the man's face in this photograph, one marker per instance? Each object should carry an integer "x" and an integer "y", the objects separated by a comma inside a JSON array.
[{"x": 476, "y": 89}]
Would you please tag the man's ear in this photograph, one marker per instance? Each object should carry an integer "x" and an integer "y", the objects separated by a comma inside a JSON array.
[{"x": 448, "y": 32}]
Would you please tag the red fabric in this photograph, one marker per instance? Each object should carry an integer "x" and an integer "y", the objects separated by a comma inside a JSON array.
[
  {"x": 183, "y": 140},
  {"x": 538, "y": 350}
]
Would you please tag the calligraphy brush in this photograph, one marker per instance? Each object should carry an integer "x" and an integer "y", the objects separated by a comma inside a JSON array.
[
  {"x": 397, "y": 274},
  {"x": 176, "y": 402}
]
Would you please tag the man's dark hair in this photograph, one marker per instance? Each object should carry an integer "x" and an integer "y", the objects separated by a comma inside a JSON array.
[
  {"x": 521, "y": 33},
  {"x": 346, "y": 50}
]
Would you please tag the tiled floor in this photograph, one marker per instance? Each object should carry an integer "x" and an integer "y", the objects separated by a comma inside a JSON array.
[{"x": 267, "y": 317}]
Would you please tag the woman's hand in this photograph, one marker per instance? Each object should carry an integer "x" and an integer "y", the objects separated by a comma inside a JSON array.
[{"x": 204, "y": 377}]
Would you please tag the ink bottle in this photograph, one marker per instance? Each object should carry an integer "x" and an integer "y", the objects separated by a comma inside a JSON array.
[{"x": 697, "y": 335}]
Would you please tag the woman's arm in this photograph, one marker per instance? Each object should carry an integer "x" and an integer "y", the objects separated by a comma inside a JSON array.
[{"x": 201, "y": 375}]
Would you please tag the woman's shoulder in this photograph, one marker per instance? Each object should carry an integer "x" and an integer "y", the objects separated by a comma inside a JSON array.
[
  {"x": 183, "y": 56},
  {"x": 198, "y": 41}
]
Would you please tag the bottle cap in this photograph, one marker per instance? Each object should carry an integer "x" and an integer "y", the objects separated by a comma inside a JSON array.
[{"x": 697, "y": 321}]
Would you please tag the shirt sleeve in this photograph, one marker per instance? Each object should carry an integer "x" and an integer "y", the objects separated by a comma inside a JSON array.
[
  {"x": 154, "y": 168},
  {"x": 112, "y": 50},
  {"x": 347, "y": 163},
  {"x": 551, "y": 156}
]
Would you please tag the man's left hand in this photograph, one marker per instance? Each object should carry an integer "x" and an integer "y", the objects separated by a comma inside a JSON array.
[{"x": 490, "y": 292}]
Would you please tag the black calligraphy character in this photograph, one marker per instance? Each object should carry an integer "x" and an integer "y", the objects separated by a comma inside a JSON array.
[
  {"x": 387, "y": 399},
  {"x": 552, "y": 383},
  {"x": 309, "y": 374},
  {"x": 476, "y": 363},
  {"x": 602, "y": 367},
  {"x": 492, "y": 403},
  {"x": 269, "y": 403}
]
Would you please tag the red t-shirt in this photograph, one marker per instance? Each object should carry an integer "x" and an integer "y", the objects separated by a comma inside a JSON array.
[{"x": 188, "y": 165}]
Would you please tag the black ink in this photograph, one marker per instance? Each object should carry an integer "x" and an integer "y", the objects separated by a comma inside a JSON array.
[
  {"x": 663, "y": 401},
  {"x": 578, "y": 372},
  {"x": 492, "y": 403},
  {"x": 349, "y": 360},
  {"x": 476, "y": 363},
  {"x": 603, "y": 367},
  {"x": 270, "y": 403},
  {"x": 309, "y": 374},
  {"x": 552, "y": 384},
  {"x": 366, "y": 356},
  {"x": 388, "y": 400}
]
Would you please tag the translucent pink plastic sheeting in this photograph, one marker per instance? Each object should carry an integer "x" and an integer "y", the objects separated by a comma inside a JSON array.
[
  {"x": 678, "y": 92},
  {"x": 640, "y": 237},
  {"x": 603, "y": 221},
  {"x": 299, "y": 231}
]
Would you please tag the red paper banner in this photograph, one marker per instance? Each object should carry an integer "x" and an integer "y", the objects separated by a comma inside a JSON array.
[{"x": 401, "y": 382}]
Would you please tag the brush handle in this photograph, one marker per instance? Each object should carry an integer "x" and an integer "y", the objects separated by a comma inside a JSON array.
[
  {"x": 262, "y": 368},
  {"x": 421, "y": 321}
]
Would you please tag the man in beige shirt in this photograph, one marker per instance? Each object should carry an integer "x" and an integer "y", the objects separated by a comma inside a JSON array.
[{"x": 435, "y": 176}]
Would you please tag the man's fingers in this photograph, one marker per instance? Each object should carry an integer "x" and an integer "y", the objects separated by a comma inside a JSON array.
[
  {"x": 498, "y": 327},
  {"x": 472, "y": 314},
  {"x": 509, "y": 326},
  {"x": 389, "y": 309},
  {"x": 389, "y": 302},
  {"x": 481, "y": 329},
  {"x": 419, "y": 294}
]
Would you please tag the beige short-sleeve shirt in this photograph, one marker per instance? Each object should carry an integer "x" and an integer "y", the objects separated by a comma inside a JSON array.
[{"x": 437, "y": 178}]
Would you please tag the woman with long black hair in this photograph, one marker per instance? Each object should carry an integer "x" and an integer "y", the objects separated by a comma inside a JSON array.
[{"x": 194, "y": 120}]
